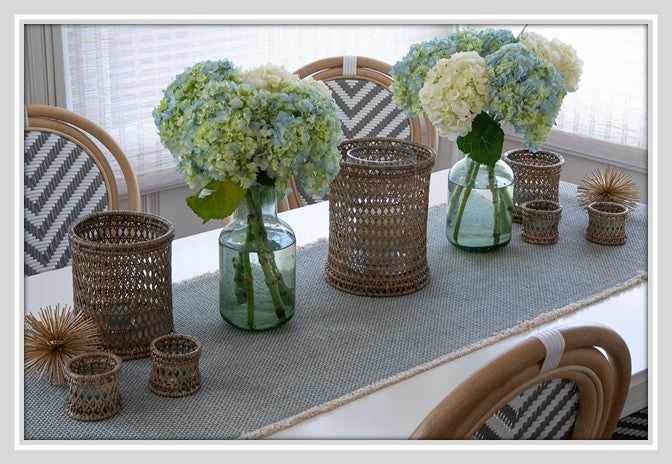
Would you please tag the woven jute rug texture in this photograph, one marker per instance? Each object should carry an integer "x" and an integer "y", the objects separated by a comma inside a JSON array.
[{"x": 339, "y": 347}]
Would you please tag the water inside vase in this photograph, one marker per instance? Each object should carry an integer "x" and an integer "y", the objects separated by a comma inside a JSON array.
[
  {"x": 485, "y": 222},
  {"x": 233, "y": 298}
]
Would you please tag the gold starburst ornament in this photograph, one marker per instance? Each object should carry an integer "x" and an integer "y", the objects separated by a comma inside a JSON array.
[
  {"x": 54, "y": 337},
  {"x": 608, "y": 184}
]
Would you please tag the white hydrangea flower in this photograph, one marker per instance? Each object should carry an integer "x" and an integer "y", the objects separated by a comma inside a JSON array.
[
  {"x": 455, "y": 92},
  {"x": 318, "y": 85},
  {"x": 563, "y": 56},
  {"x": 270, "y": 77}
]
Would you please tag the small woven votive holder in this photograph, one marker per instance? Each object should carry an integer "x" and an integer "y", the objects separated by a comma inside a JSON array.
[
  {"x": 93, "y": 386},
  {"x": 536, "y": 176},
  {"x": 606, "y": 223},
  {"x": 540, "y": 221},
  {"x": 175, "y": 369}
]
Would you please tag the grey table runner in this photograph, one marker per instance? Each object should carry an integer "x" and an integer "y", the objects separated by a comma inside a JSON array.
[{"x": 338, "y": 344}]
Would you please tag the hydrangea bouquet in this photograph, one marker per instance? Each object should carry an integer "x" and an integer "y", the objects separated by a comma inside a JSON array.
[
  {"x": 235, "y": 132},
  {"x": 470, "y": 82}
]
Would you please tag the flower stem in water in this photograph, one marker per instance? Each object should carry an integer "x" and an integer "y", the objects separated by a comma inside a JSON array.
[
  {"x": 507, "y": 201},
  {"x": 239, "y": 277},
  {"x": 272, "y": 276},
  {"x": 249, "y": 289},
  {"x": 471, "y": 178},
  {"x": 496, "y": 231}
]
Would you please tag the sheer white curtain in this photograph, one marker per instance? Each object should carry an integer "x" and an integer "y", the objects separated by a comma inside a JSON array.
[{"x": 117, "y": 73}]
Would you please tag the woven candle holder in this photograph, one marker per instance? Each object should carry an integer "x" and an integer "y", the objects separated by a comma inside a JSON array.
[
  {"x": 540, "y": 221},
  {"x": 121, "y": 277},
  {"x": 93, "y": 386},
  {"x": 606, "y": 223},
  {"x": 175, "y": 369},
  {"x": 536, "y": 177},
  {"x": 378, "y": 218}
]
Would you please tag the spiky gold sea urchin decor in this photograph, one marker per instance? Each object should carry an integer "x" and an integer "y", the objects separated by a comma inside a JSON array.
[
  {"x": 608, "y": 184},
  {"x": 54, "y": 337}
]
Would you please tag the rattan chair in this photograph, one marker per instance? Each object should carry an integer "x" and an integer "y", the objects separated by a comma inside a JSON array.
[
  {"x": 554, "y": 385},
  {"x": 66, "y": 175},
  {"x": 360, "y": 87}
]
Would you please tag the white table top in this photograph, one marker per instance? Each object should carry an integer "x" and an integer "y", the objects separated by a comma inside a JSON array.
[{"x": 394, "y": 411}]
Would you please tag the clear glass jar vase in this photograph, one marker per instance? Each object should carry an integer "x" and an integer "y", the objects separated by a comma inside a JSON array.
[
  {"x": 257, "y": 264},
  {"x": 480, "y": 204}
]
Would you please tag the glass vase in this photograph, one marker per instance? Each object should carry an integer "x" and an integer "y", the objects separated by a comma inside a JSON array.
[
  {"x": 257, "y": 264},
  {"x": 480, "y": 205}
]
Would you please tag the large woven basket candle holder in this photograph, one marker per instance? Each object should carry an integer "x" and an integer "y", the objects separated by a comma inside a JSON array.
[
  {"x": 378, "y": 218},
  {"x": 121, "y": 276},
  {"x": 540, "y": 221},
  {"x": 606, "y": 223},
  {"x": 536, "y": 176},
  {"x": 175, "y": 369},
  {"x": 93, "y": 386}
]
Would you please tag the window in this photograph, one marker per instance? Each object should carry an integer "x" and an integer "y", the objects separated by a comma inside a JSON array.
[
  {"x": 117, "y": 73},
  {"x": 611, "y": 102}
]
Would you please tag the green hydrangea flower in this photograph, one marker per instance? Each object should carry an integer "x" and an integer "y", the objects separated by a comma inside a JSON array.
[{"x": 221, "y": 123}]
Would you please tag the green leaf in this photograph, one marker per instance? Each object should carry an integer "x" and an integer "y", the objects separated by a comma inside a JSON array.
[
  {"x": 216, "y": 200},
  {"x": 485, "y": 141}
]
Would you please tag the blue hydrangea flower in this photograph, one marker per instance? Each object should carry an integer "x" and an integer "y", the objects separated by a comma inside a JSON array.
[
  {"x": 526, "y": 91},
  {"x": 409, "y": 73}
]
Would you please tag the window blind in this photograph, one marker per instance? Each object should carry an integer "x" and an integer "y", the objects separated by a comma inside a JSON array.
[{"x": 117, "y": 73}]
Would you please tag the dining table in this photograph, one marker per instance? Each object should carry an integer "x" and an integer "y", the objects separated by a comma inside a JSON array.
[{"x": 396, "y": 409}]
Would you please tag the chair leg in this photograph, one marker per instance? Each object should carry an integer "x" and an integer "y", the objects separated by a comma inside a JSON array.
[
  {"x": 283, "y": 205},
  {"x": 293, "y": 198}
]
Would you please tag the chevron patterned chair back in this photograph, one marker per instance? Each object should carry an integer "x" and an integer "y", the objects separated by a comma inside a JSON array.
[
  {"x": 66, "y": 176},
  {"x": 554, "y": 385},
  {"x": 360, "y": 87}
]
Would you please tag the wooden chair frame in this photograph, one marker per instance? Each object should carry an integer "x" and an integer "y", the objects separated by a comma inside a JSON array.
[
  {"x": 71, "y": 126},
  {"x": 602, "y": 383},
  {"x": 369, "y": 69}
]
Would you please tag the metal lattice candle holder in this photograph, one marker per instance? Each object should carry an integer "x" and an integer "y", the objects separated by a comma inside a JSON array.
[
  {"x": 540, "y": 221},
  {"x": 93, "y": 386},
  {"x": 378, "y": 218},
  {"x": 606, "y": 223},
  {"x": 536, "y": 176},
  {"x": 175, "y": 369},
  {"x": 121, "y": 276}
]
